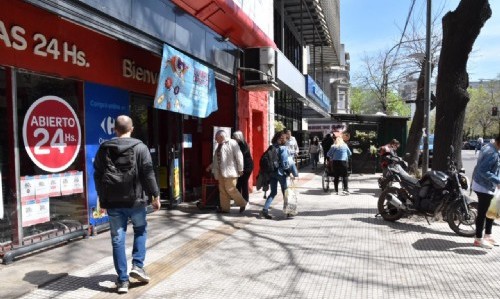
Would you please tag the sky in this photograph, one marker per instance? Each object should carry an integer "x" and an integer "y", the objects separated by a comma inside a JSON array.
[{"x": 369, "y": 27}]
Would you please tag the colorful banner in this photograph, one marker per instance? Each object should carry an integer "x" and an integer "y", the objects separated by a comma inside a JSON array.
[{"x": 185, "y": 85}]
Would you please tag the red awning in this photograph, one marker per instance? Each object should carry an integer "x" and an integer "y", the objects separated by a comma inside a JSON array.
[{"x": 227, "y": 19}]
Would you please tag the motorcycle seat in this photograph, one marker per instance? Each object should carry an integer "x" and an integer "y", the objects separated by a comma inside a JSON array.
[{"x": 405, "y": 176}]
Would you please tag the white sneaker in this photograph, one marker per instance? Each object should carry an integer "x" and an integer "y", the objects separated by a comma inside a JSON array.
[{"x": 482, "y": 243}]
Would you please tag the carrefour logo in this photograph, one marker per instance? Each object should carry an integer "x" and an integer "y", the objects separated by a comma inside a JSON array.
[{"x": 108, "y": 125}]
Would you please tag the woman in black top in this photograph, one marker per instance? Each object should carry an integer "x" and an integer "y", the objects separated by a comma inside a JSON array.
[{"x": 242, "y": 183}]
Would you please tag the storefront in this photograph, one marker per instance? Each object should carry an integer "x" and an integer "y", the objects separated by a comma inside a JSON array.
[{"x": 63, "y": 80}]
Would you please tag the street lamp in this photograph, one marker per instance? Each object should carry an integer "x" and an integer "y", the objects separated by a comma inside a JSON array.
[{"x": 427, "y": 90}]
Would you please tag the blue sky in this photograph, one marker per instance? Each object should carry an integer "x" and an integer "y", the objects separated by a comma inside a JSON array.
[{"x": 368, "y": 27}]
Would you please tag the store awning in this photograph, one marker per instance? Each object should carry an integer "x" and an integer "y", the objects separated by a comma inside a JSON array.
[{"x": 227, "y": 19}]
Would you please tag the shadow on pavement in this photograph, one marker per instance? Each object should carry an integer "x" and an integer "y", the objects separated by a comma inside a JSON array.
[
  {"x": 404, "y": 227},
  {"x": 430, "y": 244},
  {"x": 101, "y": 283}
]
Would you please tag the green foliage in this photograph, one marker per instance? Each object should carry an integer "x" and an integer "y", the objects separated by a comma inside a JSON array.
[
  {"x": 278, "y": 126},
  {"x": 478, "y": 119},
  {"x": 396, "y": 105},
  {"x": 365, "y": 101}
]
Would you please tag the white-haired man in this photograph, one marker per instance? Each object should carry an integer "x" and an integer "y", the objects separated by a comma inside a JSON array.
[{"x": 227, "y": 166}]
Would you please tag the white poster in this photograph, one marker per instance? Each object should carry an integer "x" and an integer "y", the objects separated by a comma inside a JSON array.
[
  {"x": 78, "y": 182},
  {"x": 54, "y": 185},
  {"x": 67, "y": 183},
  {"x": 42, "y": 186},
  {"x": 27, "y": 188},
  {"x": 1, "y": 196},
  {"x": 35, "y": 211}
]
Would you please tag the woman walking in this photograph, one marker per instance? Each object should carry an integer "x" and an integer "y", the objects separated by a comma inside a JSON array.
[
  {"x": 242, "y": 183},
  {"x": 314, "y": 150},
  {"x": 485, "y": 180},
  {"x": 338, "y": 154},
  {"x": 280, "y": 174}
]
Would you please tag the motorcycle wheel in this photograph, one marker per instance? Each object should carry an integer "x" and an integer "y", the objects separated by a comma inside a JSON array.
[
  {"x": 325, "y": 180},
  {"x": 387, "y": 210},
  {"x": 462, "y": 224}
]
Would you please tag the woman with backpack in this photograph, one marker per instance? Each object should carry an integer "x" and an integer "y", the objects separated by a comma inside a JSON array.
[{"x": 280, "y": 173}]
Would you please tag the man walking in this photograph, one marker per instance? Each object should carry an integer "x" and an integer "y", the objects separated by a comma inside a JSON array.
[
  {"x": 123, "y": 172},
  {"x": 227, "y": 166}
]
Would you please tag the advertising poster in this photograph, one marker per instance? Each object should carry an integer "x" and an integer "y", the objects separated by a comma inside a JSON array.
[
  {"x": 78, "y": 182},
  {"x": 42, "y": 186},
  {"x": 102, "y": 105},
  {"x": 54, "y": 185},
  {"x": 35, "y": 211},
  {"x": 185, "y": 86},
  {"x": 27, "y": 188},
  {"x": 66, "y": 183}
]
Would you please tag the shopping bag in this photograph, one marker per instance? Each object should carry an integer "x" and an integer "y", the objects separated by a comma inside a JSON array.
[
  {"x": 290, "y": 202},
  {"x": 494, "y": 208}
]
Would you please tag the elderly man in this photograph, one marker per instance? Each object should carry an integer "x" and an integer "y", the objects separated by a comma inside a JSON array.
[{"x": 227, "y": 166}]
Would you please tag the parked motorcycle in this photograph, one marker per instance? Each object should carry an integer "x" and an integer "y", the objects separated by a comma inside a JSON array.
[
  {"x": 394, "y": 163},
  {"x": 436, "y": 194}
]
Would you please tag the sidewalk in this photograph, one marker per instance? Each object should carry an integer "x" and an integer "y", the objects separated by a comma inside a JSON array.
[{"x": 334, "y": 248}]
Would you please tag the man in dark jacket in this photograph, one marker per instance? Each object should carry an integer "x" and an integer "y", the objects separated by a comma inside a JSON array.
[
  {"x": 120, "y": 210},
  {"x": 326, "y": 144}
]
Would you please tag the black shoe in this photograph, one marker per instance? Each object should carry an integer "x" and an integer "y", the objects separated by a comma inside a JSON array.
[
  {"x": 242, "y": 209},
  {"x": 265, "y": 214}
]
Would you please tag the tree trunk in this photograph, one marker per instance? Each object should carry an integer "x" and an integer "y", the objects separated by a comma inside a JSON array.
[
  {"x": 415, "y": 134},
  {"x": 461, "y": 27}
]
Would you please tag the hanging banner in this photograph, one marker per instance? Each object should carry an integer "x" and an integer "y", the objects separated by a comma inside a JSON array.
[{"x": 185, "y": 85}]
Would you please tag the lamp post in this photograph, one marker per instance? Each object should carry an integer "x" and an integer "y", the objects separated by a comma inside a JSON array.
[{"x": 427, "y": 90}]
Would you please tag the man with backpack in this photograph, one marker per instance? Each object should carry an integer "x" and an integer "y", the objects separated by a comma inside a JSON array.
[{"x": 123, "y": 172}]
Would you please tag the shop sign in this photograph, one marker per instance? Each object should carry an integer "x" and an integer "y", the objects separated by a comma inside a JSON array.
[
  {"x": 185, "y": 86},
  {"x": 34, "y": 39},
  {"x": 51, "y": 134}
]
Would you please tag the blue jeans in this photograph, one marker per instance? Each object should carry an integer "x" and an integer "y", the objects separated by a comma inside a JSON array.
[
  {"x": 274, "y": 189},
  {"x": 118, "y": 219}
]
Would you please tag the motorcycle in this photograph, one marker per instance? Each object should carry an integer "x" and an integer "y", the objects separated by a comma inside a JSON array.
[
  {"x": 394, "y": 163},
  {"x": 437, "y": 194}
]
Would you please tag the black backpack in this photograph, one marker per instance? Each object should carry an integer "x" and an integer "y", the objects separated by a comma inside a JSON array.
[
  {"x": 118, "y": 183},
  {"x": 269, "y": 162}
]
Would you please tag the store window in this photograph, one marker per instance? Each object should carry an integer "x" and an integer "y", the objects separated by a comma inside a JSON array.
[
  {"x": 7, "y": 200},
  {"x": 51, "y": 159}
]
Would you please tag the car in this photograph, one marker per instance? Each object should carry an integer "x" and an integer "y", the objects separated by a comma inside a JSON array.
[
  {"x": 470, "y": 145},
  {"x": 431, "y": 149}
]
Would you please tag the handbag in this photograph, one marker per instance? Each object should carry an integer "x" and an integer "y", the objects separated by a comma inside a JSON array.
[
  {"x": 494, "y": 208},
  {"x": 290, "y": 200}
]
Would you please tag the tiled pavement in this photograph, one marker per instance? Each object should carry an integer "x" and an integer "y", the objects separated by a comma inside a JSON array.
[{"x": 334, "y": 248}]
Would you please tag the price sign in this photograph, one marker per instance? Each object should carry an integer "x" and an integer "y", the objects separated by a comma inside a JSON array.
[{"x": 51, "y": 134}]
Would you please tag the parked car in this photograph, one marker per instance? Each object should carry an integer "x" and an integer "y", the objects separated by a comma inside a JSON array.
[
  {"x": 431, "y": 149},
  {"x": 470, "y": 145}
]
